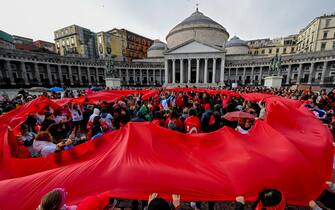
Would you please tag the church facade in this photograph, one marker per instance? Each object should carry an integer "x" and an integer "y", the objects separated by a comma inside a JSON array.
[{"x": 199, "y": 53}]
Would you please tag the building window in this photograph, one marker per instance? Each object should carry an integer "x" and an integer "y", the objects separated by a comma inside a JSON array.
[
  {"x": 263, "y": 51},
  {"x": 63, "y": 44},
  {"x": 277, "y": 50},
  {"x": 67, "y": 42},
  {"x": 327, "y": 23},
  {"x": 256, "y": 52},
  {"x": 333, "y": 44},
  {"x": 270, "y": 51},
  {"x": 325, "y": 34},
  {"x": 72, "y": 40},
  {"x": 284, "y": 50},
  {"x": 323, "y": 46},
  {"x": 65, "y": 31}
]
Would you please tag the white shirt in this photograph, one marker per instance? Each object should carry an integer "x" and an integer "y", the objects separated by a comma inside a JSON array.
[
  {"x": 75, "y": 115},
  {"x": 44, "y": 148}
]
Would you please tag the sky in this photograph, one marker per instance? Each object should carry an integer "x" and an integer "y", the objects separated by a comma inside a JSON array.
[{"x": 248, "y": 19}]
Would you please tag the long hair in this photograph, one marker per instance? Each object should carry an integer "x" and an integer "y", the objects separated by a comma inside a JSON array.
[{"x": 51, "y": 201}]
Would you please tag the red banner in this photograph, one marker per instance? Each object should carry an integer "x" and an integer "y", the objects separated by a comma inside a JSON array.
[{"x": 282, "y": 152}]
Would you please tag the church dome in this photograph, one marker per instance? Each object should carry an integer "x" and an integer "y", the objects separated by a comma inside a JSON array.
[
  {"x": 156, "y": 49},
  {"x": 198, "y": 27},
  {"x": 235, "y": 41},
  {"x": 236, "y": 46}
]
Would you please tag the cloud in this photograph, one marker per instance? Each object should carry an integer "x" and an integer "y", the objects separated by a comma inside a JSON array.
[{"x": 249, "y": 19}]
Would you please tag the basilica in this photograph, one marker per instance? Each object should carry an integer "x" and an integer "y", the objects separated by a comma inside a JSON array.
[{"x": 200, "y": 53}]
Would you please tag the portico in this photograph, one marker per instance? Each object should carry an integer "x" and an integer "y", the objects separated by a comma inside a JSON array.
[{"x": 194, "y": 64}]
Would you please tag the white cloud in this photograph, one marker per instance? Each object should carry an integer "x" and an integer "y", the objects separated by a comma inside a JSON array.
[{"x": 248, "y": 19}]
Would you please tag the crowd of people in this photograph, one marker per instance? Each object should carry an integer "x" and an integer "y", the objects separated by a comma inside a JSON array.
[
  {"x": 49, "y": 130},
  {"x": 268, "y": 199}
]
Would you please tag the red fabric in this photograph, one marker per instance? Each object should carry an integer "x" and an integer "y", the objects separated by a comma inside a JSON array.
[
  {"x": 211, "y": 120},
  {"x": 255, "y": 97},
  {"x": 159, "y": 122},
  {"x": 180, "y": 102},
  {"x": 207, "y": 106},
  {"x": 235, "y": 116},
  {"x": 142, "y": 158},
  {"x": 94, "y": 202},
  {"x": 98, "y": 97},
  {"x": 176, "y": 122},
  {"x": 62, "y": 102},
  {"x": 192, "y": 124}
]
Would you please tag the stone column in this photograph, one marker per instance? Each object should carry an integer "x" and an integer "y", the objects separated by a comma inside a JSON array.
[
  {"x": 127, "y": 76},
  {"x": 260, "y": 75},
  {"x": 198, "y": 71},
  {"x": 206, "y": 71},
  {"x": 24, "y": 73},
  {"x": 244, "y": 73},
  {"x": 160, "y": 76},
  {"x": 174, "y": 71},
  {"x": 97, "y": 75},
  {"x": 166, "y": 72},
  {"x": 311, "y": 71},
  {"x": 134, "y": 76},
  {"x": 105, "y": 75},
  {"x": 299, "y": 73},
  {"x": 236, "y": 78},
  {"x": 214, "y": 70},
  {"x": 37, "y": 74},
  {"x": 120, "y": 74},
  {"x": 181, "y": 71},
  {"x": 222, "y": 71},
  {"x": 60, "y": 75},
  {"x": 70, "y": 75},
  {"x": 80, "y": 77},
  {"x": 49, "y": 74},
  {"x": 141, "y": 76},
  {"x": 89, "y": 76},
  {"x": 148, "y": 80},
  {"x": 229, "y": 73},
  {"x": 289, "y": 72},
  {"x": 154, "y": 76},
  {"x": 323, "y": 75},
  {"x": 10, "y": 72},
  {"x": 252, "y": 75},
  {"x": 189, "y": 71}
]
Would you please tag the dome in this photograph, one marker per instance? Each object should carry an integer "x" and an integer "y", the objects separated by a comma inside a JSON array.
[
  {"x": 157, "y": 45},
  {"x": 157, "y": 49},
  {"x": 199, "y": 27},
  {"x": 235, "y": 41},
  {"x": 236, "y": 46}
]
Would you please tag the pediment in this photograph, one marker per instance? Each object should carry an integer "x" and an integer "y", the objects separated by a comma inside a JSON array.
[{"x": 194, "y": 47}]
